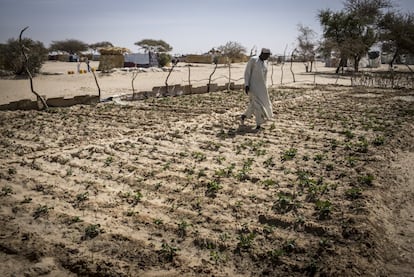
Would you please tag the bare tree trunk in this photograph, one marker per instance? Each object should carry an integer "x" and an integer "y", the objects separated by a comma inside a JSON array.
[
  {"x": 189, "y": 75},
  {"x": 271, "y": 76},
  {"x": 291, "y": 64},
  {"x": 228, "y": 85},
  {"x": 168, "y": 76},
  {"x": 211, "y": 75},
  {"x": 134, "y": 76},
  {"x": 26, "y": 66},
  {"x": 283, "y": 63},
  {"x": 97, "y": 84}
]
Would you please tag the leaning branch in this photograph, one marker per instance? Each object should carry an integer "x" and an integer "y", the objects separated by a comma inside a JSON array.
[{"x": 26, "y": 66}]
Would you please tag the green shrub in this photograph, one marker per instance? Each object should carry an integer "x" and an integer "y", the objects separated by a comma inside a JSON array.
[{"x": 12, "y": 59}]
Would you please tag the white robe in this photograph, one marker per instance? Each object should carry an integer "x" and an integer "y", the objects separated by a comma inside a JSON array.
[{"x": 255, "y": 77}]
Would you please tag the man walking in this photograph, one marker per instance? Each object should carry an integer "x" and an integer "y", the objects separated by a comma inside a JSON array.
[{"x": 255, "y": 77}]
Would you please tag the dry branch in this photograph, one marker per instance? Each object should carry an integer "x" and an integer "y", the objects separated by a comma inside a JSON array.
[{"x": 26, "y": 66}]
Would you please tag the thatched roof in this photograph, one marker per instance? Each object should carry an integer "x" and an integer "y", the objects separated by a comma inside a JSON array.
[{"x": 114, "y": 51}]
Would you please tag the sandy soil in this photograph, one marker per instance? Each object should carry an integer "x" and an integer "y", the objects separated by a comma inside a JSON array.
[
  {"x": 119, "y": 82},
  {"x": 176, "y": 187}
]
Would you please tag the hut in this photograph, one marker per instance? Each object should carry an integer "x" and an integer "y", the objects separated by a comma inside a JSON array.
[{"x": 111, "y": 57}]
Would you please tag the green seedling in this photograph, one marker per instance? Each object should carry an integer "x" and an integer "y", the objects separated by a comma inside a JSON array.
[
  {"x": 324, "y": 208},
  {"x": 198, "y": 156},
  {"x": 26, "y": 200},
  {"x": 109, "y": 161},
  {"x": 12, "y": 171},
  {"x": 182, "y": 228},
  {"x": 269, "y": 162},
  {"x": 246, "y": 241},
  {"x": 213, "y": 187},
  {"x": 168, "y": 251},
  {"x": 41, "y": 211},
  {"x": 270, "y": 183},
  {"x": 288, "y": 154},
  {"x": 285, "y": 203},
  {"x": 6, "y": 190},
  {"x": 348, "y": 134},
  {"x": 81, "y": 197},
  {"x": 378, "y": 141},
  {"x": 366, "y": 180},
  {"x": 243, "y": 174},
  {"x": 92, "y": 230},
  {"x": 353, "y": 193}
]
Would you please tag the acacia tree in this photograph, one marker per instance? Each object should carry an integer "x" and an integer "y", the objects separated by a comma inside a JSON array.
[
  {"x": 352, "y": 32},
  {"x": 71, "y": 46},
  {"x": 231, "y": 50},
  {"x": 397, "y": 34},
  {"x": 157, "y": 46},
  {"x": 306, "y": 46},
  {"x": 102, "y": 44}
]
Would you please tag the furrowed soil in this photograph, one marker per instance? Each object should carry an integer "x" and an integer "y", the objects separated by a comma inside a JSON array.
[{"x": 176, "y": 187}]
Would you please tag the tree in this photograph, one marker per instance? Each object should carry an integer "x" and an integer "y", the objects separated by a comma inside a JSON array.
[
  {"x": 102, "y": 44},
  {"x": 154, "y": 45},
  {"x": 163, "y": 59},
  {"x": 13, "y": 60},
  {"x": 232, "y": 50},
  {"x": 351, "y": 32},
  {"x": 71, "y": 46},
  {"x": 397, "y": 34},
  {"x": 306, "y": 45}
]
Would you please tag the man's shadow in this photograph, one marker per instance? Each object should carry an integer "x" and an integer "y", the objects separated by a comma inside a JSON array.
[{"x": 240, "y": 131}]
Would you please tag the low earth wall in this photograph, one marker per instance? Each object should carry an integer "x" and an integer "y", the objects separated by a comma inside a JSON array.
[{"x": 163, "y": 91}]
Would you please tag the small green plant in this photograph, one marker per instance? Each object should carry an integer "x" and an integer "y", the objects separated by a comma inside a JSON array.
[
  {"x": 329, "y": 167},
  {"x": 109, "y": 161},
  {"x": 225, "y": 172},
  {"x": 269, "y": 183},
  {"x": 168, "y": 252},
  {"x": 353, "y": 193},
  {"x": 269, "y": 162},
  {"x": 81, "y": 197},
  {"x": 378, "y": 141},
  {"x": 42, "y": 210},
  {"x": 348, "y": 134},
  {"x": 288, "y": 154},
  {"x": 158, "y": 221},
  {"x": 213, "y": 187},
  {"x": 285, "y": 203},
  {"x": 75, "y": 219},
  {"x": 12, "y": 171},
  {"x": 26, "y": 200},
  {"x": 318, "y": 158},
  {"x": 182, "y": 229},
  {"x": 6, "y": 190},
  {"x": 289, "y": 246},
  {"x": 198, "y": 156},
  {"x": 366, "y": 180},
  {"x": 243, "y": 174},
  {"x": 217, "y": 257},
  {"x": 246, "y": 241},
  {"x": 324, "y": 208},
  {"x": 351, "y": 161},
  {"x": 275, "y": 255},
  {"x": 69, "y": 171},
  {"x": 92, "y": 230}
]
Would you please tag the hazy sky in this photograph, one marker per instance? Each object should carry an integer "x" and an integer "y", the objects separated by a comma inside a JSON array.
[{"x": 189, "y": 26}]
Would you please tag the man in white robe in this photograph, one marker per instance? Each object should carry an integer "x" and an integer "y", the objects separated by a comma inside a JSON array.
[{"x": 255, "y": 77}]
